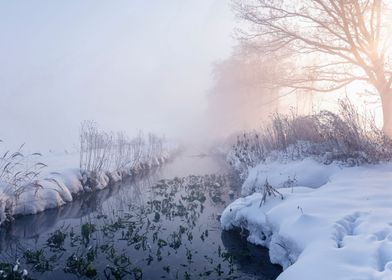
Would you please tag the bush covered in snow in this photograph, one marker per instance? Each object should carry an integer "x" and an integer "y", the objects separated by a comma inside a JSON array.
[{"x": 348, "y": 138}]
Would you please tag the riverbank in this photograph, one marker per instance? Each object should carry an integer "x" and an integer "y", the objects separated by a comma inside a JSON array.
[
  {"x": 332, "y": 223},
  {"x": 60, "y": 183}
]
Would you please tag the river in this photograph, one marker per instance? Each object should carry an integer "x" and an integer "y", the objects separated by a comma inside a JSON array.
[{"x": 162, "y": 226}]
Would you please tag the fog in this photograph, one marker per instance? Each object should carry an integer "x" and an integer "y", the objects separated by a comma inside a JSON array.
[{"x": 128, "y": 65}]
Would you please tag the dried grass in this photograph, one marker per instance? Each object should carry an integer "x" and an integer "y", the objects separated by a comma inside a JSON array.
[{"x": 347, "y": 137}]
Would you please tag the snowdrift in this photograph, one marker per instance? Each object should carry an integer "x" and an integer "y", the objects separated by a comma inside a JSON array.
[
  {"x": 56, "y": 188},
  {"x": 333, "y": 223}
]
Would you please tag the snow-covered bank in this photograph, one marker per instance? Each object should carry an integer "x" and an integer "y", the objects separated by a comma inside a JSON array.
[
  {"x": 340, "y": 230},
  {"x": 61, "y": 182}
]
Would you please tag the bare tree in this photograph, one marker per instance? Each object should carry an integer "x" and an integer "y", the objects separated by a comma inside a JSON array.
[{"x": 336, "y": 42}]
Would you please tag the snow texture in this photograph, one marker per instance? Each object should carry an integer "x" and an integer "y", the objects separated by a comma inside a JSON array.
[
  {"x": 59, "y": 184},
  {"x": 340, "y": 230}
]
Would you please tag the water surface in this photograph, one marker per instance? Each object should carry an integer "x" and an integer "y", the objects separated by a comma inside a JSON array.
[{"x": 161, "y": 226}]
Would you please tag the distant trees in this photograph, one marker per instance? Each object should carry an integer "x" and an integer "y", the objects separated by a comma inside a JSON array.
[
  {"x": 243, "y": 92},
  {"x": 335, "y": 42}
]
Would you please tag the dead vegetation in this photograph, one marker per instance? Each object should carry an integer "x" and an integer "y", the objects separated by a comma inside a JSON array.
[
  {"x": 106, "y": 153},
  {"x": 18, "y": 171},
  {"x": 346, "y": 137}
]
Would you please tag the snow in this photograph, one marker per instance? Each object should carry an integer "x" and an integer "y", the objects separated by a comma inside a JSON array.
[
  {"x": 306, "y": 173},
  {"x": 62, "y": 181},
  {"x": 335, "y": 223},
  {"x": 53, "y": 191}
]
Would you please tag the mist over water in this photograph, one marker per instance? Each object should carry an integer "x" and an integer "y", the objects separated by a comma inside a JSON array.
[{"x": 128, "y": 65}]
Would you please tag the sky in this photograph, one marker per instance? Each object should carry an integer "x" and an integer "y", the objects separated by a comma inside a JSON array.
[{"x": 126, "y": 64}]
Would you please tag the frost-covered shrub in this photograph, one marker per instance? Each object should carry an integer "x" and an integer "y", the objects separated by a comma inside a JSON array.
[
  {"x": 107, "y": 156},
  {"x": 347, "y": 137},
  {"x": 95, "y": 147}
]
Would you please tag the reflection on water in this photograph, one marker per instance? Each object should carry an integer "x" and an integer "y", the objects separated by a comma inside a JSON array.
[
  {"x": 117, "y": 197},
  {"x": 249, "y": 257},
  {"x": 145, "y": 229}
]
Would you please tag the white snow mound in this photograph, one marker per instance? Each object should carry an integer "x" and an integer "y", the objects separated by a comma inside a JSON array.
[
  {"x": 341, "y": 230},
  {"x": 306, "y": 173}
]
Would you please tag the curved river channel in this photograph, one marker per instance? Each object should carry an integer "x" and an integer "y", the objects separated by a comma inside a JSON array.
[{"x": 162, "y": 226}]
